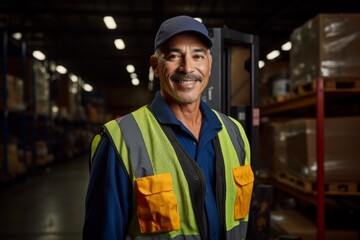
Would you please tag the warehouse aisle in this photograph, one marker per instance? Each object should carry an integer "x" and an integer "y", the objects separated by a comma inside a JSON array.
[{"x": 47, "y": 206}]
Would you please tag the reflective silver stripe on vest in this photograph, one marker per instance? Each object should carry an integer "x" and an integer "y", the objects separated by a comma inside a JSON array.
[
  {"x": 135, "y": 144},
  {"x": 238, "y": 232},
  {"x": 180, "y": 237},
  {"x": 235, "y": 137}
]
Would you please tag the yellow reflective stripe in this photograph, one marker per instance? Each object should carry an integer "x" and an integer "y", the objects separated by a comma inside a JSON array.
[
  {"x": 113, "y": 130},
  {"x": 94, "y": 144}
]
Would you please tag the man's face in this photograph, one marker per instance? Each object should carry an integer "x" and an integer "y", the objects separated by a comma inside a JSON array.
[{"x": 183, "y": 66}]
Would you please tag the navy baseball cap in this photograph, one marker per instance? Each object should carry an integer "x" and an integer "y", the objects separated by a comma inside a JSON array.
[{"x": 180, "y": 24}]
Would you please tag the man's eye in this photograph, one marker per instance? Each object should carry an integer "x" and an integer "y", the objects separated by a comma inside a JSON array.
[
  {"x": 199, "y": 56},
  {"x": 173, "y": 57}
]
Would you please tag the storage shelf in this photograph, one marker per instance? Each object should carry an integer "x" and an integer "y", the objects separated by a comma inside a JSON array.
[
  {"x": 27, "y": 125},
  {"x": 308, "y": 100},
  {"x": 315, "y": 101}
]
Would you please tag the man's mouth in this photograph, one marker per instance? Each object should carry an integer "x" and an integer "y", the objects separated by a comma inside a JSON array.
[
  {"x": 186, "y": 78},
  {"x": 185, "y": 81}
]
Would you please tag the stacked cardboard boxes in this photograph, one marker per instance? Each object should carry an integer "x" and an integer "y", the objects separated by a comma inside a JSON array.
[
  {"x": 15, "y": 93},
  {"x": 15, "y": 166},
  {"x": 42, "y": 89},
  {"x": 292, "y": 148},
  {"x": 325, "y": 46}
]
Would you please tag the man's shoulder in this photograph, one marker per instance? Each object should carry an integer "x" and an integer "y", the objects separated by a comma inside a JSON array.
[{"x": 126, "y": 116}]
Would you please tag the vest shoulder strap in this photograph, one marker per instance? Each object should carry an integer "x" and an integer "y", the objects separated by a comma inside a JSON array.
[{"x": 93, "y": 147}]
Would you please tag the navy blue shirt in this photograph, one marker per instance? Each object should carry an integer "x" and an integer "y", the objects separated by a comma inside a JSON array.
[{"x": 109, "y": 195}]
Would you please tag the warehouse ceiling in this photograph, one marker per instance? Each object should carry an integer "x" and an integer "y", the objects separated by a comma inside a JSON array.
[{"x": 73, "y": 34}]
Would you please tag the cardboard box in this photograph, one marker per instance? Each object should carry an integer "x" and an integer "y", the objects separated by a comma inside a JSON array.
[
  {"x": 42, "y": 89},
  {"x": 15, "y": 166},
  {"x": 325, "y": 46},
  {"x": 15, "y": 93},
  {"x": 341, "y": 143},
  {"x": 275, "y": 147},
  {"x": 274, "y": 79}
]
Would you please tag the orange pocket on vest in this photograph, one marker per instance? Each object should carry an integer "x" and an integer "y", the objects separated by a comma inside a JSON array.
[
  {"x": 157, "y": 208},
  {"x": 244, "y": 180}
]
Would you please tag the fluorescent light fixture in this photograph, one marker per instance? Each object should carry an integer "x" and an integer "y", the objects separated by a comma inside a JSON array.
[
  {"x": 74, "y": 89},
  {"x": 52, "y": 66},
  {"x": 272, "y": 55},
  {"x": 261, "y": 63},
  {"x": 286, "y": 46},
  {"x": 61, "y": 69},
  {"x": 133, "y": 75},
  {"x": 38, "y": 55},
  {"x": 130, "y": 68},
  {"x": 87, "y": 87},
  {"x": 135, "y": 81},
  {"x": 55, "y": 109},
  {"x": 73, "y": 78},
  {"x": 110, "y": 22},
  {"x": 151, "y": 74},
  {"x": 119, "y": 44},
  {"x": 17, "y": 35},
  {"x": 198, "y": 19}
]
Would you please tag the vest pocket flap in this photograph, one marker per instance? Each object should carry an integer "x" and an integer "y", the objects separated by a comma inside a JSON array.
[
  {"x": 154, "y": 184},
  {"x": 244, "y": 180},
  {"x": 157, "y": 208},
  {"x": 243, "y": 175}
]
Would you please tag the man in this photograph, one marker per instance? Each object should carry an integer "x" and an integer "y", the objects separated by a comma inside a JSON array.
[{"x": 174, "y": 169}]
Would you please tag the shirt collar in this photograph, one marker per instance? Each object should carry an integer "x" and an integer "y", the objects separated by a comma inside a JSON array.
[{"x": 164, "y": 114}]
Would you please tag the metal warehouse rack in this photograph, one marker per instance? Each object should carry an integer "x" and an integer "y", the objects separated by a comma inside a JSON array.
[{"x": 317, "y": 101}]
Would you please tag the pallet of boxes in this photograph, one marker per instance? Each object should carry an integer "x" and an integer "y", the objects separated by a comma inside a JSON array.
[{"x": 327, "y": 47}]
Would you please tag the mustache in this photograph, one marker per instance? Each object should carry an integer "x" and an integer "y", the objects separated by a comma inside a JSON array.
[{"x": 189, "y": 76}]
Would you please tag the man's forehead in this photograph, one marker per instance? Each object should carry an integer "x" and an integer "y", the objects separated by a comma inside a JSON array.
[{"x": 185, "y": 39}]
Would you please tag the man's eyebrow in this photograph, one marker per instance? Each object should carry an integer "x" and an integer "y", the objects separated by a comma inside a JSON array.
[{"x": 202, "y": 50}]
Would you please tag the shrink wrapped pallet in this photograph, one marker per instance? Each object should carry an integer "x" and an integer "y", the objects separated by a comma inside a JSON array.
[
  {"x": 326, "y": 46},
  {"x": 341, "y": 149}
]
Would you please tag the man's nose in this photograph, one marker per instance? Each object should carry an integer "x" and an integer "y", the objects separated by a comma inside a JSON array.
[{"x": 187, "y": 64}]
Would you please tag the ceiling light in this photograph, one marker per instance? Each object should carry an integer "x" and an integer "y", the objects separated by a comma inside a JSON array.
[
  {"x": 286, "y": 46},
  {"x": 272, "y": 55},
  {"x": 261, "y": 63},
  {"x": 74, "y": 90},
  {"x": 38, "y": 55},
  {"x": 133, "y": 75},
  {"x": 61, "y": 69},
  {"x": 73, "y": 78},
  {"x": 55, "y": 109},
  {"x": 135, "y": 81},
  {"x": 87, "y": 87},
  {"x": 130, "y": 68},
  {"x": 119, "y": 44},
  {"x": 52, "y": 66},
  {"x": 17, "y": 35},
  {"x": 110, "y": 22},
  {"x": 198, "y": 19},
  {"x": 151, "y": 74}
]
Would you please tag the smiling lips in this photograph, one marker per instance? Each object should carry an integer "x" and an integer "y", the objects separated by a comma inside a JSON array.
[
  {"x": 186, "y": 81},
  {"x": 186, "y": 78}
]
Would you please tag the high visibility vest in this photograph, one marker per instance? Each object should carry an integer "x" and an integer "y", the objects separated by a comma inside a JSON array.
[{"x": 169, "y": 186}]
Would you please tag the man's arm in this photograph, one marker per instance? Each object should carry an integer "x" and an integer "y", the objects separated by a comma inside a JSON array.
[{"x": 109, "y": 196}]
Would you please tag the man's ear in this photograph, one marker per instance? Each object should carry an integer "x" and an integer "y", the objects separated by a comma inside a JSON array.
[
  {"x": 210, "y": 61},
  {"x": 154, "y": 65}
]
